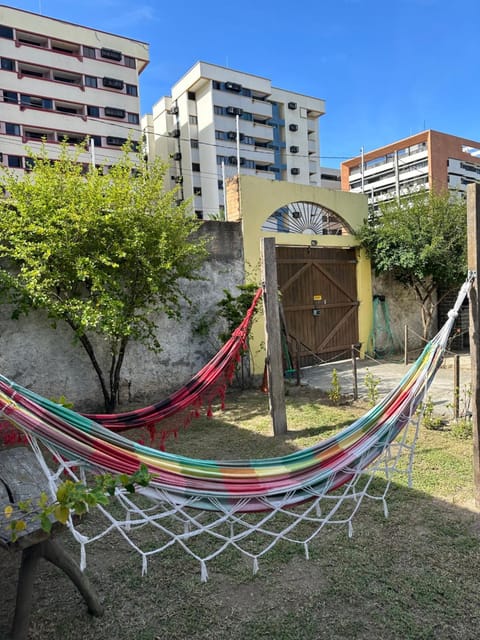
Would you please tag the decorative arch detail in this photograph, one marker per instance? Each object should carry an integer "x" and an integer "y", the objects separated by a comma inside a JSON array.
[{"x": 306, "y": 217}]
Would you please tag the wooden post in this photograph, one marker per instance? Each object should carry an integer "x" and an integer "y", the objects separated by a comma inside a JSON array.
[
  {"x": 456, "y": 386},
  {"x": 273, "y": 339},
  {"x": 473, "y": 240},
  {"x": 405, "y": 345},
  {"x": 354, "y": 371}
]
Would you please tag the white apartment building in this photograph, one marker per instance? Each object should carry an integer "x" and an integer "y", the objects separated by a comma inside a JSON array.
[
  {"x": 219, "y": 122},
  {"x": 64, "y": 81}
]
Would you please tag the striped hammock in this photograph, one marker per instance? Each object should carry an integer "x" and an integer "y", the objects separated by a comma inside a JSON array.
[
  {"x": 229, "y": 491},
  {"x": 200, "y": 391}
]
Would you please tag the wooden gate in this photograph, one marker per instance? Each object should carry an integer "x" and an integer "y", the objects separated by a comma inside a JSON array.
[{"x": 319, "y": 300}]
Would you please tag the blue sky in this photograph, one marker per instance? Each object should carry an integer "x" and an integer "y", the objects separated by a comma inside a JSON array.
[{"x": 386, "y": 68}]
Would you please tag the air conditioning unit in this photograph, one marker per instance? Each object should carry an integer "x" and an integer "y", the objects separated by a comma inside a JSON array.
[
  {"x": 111, "y": 54},
  {"x": 293, "y": 127},
  {"x": 234, "y": 111},
  {"x": 231, "y": 135},
  {"x": 292, "y": 105},
  {"x": 175, "y": 133},
  {"x": 233, "y": 86},
  {"x": 232, "y": 160},
  {"x": 115, "y": 142},
  {"x": 295, "y": 171},
  {"x": 293, "y": 149},
  {"x": 173, "y": 110},
  {"x": 112, "y": 83},
  {"x": 113, "y": 112},
  {"x": 177, "y": 156}
]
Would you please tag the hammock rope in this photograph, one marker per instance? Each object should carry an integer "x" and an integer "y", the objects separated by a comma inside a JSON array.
[{"x": 208, "y": 506}]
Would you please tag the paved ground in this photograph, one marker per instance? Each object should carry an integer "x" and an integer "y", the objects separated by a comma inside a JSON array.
[{"x": 389, "y": 374}]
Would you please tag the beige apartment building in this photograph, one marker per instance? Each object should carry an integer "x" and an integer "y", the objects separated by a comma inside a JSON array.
[
  {"x": 65, "y": 81},
  {"x": 218, "y": 123},
  {"x": 430, "y": 159}
]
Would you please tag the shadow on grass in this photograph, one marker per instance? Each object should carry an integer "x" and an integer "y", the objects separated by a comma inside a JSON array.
[{"x": 411, "y": 576}]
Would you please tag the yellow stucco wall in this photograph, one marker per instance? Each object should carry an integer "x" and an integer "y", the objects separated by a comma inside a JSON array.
[{"x": 258, "y": 199}]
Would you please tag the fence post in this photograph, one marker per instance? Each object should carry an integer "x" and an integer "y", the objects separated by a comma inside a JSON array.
[
  {"x": 456, "y": 386},
  {"x": 273, "y": 340},
  {"x": 405, "y": 345},
  {"x": 473, "y": 244},
  {"x": 354, "y": 370}
]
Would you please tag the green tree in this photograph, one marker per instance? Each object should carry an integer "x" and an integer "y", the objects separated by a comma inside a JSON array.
[
  {"x": 422, "y": 241},
  {"x": 103, "y": 251}
]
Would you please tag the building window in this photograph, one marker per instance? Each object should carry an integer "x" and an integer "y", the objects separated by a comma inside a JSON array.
[
  {"x": 36, "y": 102},
  {"x": 131, "y": 89},
  {"x": 191, "y": 95},
  {"x": 129, "y": 62},
  {"x": 89, "y": 52},
  {"x": 221, "y": 159},
  {"x": 60, "y": 76},
  {"x": 218, "y": 111},
  {"x": 194, "y": 143},
  {"x": 69, "y": 107},
  {"x": 6, "y": 32},
  {"x": 216, "y": 84},
  {"x": 199, "y": 214},
  {"x": 91, "y": 81},
  {"x": 193, "y": 119},
  {"x": 15, "y": 162},
  {"x": 12, "y": 129},
  {"x": 197, "y": 191},
  {"x": 29, "y": 164},
  {"x": 195, "y": 166},
  {"x": 133, "y": 118},
  {"x": 7, "y": 64},
  {"x": 10, "y": 96},
  {"x": 93, "y": 112},
  {"x": 97, "y": 140}
]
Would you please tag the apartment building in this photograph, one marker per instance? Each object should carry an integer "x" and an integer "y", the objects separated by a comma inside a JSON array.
[
  {"x": 429, "y": 159},
  {"x": 219, "y": 122},
  {"x": 65, "y": 81}
]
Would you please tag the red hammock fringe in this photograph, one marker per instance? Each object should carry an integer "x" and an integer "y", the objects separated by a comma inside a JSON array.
[{"x": 208, "y": 384}]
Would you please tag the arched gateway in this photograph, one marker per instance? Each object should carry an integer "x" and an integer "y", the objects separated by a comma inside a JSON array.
[{"x": 323, "y": 275}]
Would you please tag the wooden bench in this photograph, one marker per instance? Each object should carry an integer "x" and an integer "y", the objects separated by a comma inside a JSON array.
[{"x": 21, "y": 479}]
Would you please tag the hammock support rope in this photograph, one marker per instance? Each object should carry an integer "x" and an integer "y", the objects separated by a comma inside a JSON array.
[{"x": 208, "y": 506}]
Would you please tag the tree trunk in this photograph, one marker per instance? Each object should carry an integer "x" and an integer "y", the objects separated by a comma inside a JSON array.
[{"x": 425, "y": 294}]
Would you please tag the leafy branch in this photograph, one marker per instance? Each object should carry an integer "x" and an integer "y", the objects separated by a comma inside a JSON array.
[{"x": 72, "y": 498}]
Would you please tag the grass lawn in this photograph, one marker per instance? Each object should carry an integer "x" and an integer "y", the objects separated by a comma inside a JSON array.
[{"x": 411, "y": 576}]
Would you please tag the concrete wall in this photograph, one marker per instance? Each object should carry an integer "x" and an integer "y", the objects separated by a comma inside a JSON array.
[
  {"x": 403, "y": 309},
  {"x": 44, "y": 359}
]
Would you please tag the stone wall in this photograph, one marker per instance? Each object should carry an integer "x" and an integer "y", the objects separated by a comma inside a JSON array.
[{"x": 45, "y": 359}]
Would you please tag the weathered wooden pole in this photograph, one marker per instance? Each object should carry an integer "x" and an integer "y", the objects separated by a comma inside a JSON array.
[
  {"x": 405, "y": 345},
  {"x": 354, "y": 372},
  {"x": 473, "y": 240},
  {"x": 273, "y": 338},
  {"x": 456, "y": 386}
]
